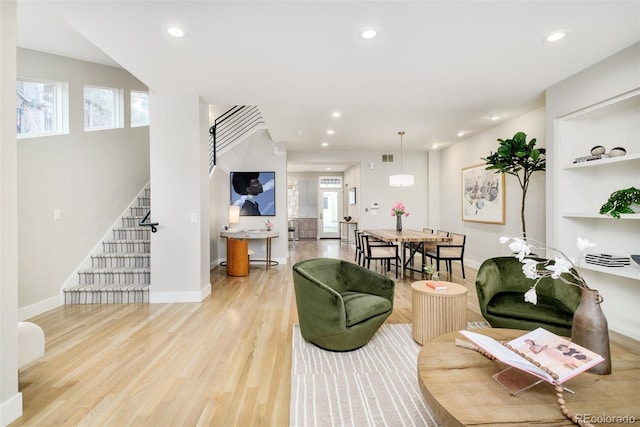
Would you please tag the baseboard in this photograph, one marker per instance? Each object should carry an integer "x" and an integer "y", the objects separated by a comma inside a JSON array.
[
  {"x": 11, "y": 410},
  {"x": 40, "y": 307},
  {"x": 172, "y": 297}
]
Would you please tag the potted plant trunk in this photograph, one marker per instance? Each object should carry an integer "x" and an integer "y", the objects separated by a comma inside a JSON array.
[{"x": 521, "y": 159}]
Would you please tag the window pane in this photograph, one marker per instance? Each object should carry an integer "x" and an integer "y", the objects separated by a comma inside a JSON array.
[
  {"x": 36, "y": 108},
  {"x": 139, "y": 108},
  {"x": 100, "y": 108}
]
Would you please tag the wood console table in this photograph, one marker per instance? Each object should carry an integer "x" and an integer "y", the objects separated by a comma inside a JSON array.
[
  {"x": 457, "y": 385},
  {"x": 253, "y": 235}
]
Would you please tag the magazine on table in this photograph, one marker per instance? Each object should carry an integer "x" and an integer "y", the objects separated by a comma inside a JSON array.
[{"x": 550, "y": 350}]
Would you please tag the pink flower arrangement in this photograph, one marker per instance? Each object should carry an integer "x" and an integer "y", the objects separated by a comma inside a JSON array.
[
  {"x": 399, "y": 209},
  {"x": 268, "y": 223}
]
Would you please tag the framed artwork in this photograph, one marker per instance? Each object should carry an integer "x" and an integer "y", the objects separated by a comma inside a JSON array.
[
  {"x": 254, "y": 192},
  {"x": 352, "y": 196},
  {"x": 482, "y": 195}
]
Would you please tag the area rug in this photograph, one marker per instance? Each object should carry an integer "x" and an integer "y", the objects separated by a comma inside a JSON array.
[{"x": 376, "y": 385}]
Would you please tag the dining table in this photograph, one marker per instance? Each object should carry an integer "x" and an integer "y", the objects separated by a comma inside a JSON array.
[{"x": 419, "y": 241}]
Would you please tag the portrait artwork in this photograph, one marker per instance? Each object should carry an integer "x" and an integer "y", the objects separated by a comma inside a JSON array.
[{"x": 254, "y": 192}]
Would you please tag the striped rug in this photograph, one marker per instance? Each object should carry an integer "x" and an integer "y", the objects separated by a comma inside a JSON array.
[{"x": 375, "y": 385}]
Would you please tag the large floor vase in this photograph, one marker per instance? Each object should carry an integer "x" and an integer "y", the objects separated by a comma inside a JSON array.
[{"x": 590, "y": 329}]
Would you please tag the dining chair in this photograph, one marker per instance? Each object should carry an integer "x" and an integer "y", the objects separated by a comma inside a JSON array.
[
  {"x": 448, "y": 252},
  {"x": 359, "y": 251},
  {"x": 380, "y": 251},
  {"x": 421, "y": 247}
]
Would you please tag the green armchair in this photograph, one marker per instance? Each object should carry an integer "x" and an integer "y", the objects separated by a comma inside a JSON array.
[
  {"x": 501, "y": 286},
  {"x": 340, "y": 304}
]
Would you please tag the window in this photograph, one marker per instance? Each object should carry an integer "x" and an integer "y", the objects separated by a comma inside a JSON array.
[
  {"x": 102, "y": 108},
  {"x": 139, "y": 108},
  {"x": 41, "y": 108}
]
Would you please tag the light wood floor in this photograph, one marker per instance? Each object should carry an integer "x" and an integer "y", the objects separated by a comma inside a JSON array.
[{"x": 223, "y": 362}]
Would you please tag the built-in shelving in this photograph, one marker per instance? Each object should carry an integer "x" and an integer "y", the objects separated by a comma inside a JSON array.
[
  {"x": 604, "y": 162},
  {"x": 631, "y": 271},
  {"x": 584, "y": 187}
]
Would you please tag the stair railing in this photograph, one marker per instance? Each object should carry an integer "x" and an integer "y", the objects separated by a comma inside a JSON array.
[
  {"x": 143, "y": 223},
  {"x": 230, "y": 127}
]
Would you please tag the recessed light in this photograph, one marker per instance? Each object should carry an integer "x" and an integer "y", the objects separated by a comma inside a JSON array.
[
  {"x": 460, "y": 133},
  {"x": 327, "y": 169},
  {"x": 555, "y": 36},
  {"x": 299, "y": 132},
  {"x": 330, "y": 132},
  {"x": 325, "y": 144},
  {"x": 495, "y": 116},
  {"x": 434, "y": 146},
  {"x": 368, "y": 33},
  {"x": 176, "y": 31},
  {"x": 336, "y": 114}
]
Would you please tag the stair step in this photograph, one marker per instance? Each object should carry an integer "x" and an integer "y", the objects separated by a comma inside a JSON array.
[
  {"x": 126, "y": 246},
  {"x": 107, "y": 294},
  {"x": 132, "y": 233},
  {"x": 144, "y": 201},
  {"x": 131, "y": 221},
  {"x": 121, "y": 260},
  {"x": 109, "y": 276},
  {"x": 140, "y": 210}
]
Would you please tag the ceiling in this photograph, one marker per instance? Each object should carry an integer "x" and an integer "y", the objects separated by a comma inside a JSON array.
[{"x": 435, "y": 68}]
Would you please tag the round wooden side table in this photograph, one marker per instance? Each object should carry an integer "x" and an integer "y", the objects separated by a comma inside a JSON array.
[{"x": 437, "y": 311}]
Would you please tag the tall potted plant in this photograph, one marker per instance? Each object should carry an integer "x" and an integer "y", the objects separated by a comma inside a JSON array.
[{"x": 521, "y": 159}]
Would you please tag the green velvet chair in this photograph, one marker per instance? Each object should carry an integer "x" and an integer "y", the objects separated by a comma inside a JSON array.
[
  {"x": 340, "y": 304},
  {"x": 501, "y": 286}
]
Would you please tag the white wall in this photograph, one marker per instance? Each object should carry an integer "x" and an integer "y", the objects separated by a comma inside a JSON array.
[
  {"x": 482, "y": 239},
  {"x": 179, "y": 199},
  {"x": 91, "y": 177},
  {"x": 10, "y": 398},
  {"x": 352, "y": 180},
  {"x": 253, "y": 154},
  {"x": 614, "y": 76},
  {"x": 374, "y": 186}
]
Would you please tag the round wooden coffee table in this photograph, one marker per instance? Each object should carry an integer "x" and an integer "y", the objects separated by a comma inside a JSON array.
[
  {"x": 457, "y": 385},
  {"x": 437, "y": 311}
]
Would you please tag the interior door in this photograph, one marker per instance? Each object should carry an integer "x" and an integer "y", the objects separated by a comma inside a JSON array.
[{"x": 329, "y": 204}]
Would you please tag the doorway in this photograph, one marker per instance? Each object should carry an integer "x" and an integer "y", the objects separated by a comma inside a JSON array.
[{"x": 330, "y": 207}]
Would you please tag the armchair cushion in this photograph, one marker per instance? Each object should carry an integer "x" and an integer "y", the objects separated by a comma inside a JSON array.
[{"x": 340, "y": 304}]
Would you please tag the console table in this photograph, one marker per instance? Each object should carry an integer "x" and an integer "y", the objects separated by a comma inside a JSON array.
[
  {"x": 457, "y": 385},
  {"x": 255, "y": 235},
  {"x": 348, "y": 225}
]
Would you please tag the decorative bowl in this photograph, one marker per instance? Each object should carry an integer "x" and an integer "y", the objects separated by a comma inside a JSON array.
[
  {"x": 598, "y": 149},
  {"x": 347, "y": 218},
  {"x": 636, "y": 258},
  {"x": 617, "y": 151}
]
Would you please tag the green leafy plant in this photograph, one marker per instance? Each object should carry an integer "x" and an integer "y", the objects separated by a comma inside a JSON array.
[
  {"x": 521, "y": 159},
  {"x": 620, "y": 202}
]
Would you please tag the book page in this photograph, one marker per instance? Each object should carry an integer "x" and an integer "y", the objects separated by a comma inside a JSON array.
[
  {"x": 556, "y": 353},
  {"x": 503, "y": 354}
]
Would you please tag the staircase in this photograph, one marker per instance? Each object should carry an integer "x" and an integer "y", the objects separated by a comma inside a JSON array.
[{"x": 121, "y": 274}]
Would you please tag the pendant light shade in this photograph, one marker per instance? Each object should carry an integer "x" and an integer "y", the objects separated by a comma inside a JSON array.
[{"x": 401, "y": 180}]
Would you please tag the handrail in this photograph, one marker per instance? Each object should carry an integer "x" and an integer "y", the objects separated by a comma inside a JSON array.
[
  {"x": 153, "y": 225},
  {"x": 231, "y": 126}
]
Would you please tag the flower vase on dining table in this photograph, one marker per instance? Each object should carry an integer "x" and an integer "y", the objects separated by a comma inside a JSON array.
[{"x": 398, "y": 223}]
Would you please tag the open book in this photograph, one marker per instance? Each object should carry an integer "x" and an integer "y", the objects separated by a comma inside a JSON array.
[{"x": 552, "y": 351}]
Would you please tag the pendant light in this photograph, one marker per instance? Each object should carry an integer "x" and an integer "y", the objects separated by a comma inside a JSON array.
[{"x": 401, "y": 180}]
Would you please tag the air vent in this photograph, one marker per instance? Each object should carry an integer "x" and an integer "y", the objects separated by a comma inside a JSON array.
[{"x": 387, "y": 158}]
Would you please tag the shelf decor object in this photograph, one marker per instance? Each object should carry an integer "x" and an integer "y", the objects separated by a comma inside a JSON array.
[
  {"x": 625, "y": 201},
  {"x": 521, "y": 159}
]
